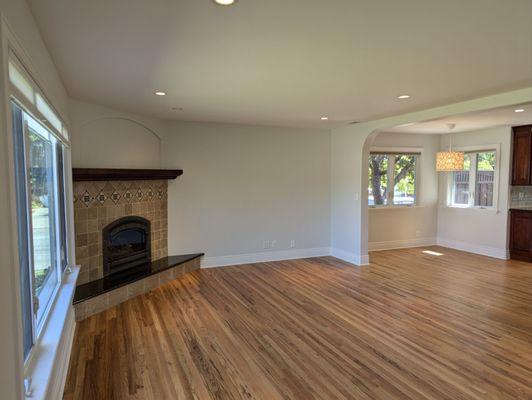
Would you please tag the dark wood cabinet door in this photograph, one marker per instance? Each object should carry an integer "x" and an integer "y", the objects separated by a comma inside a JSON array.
[
  {"x": 521, "y": 235},
  {"x": 522, "y": 150}
]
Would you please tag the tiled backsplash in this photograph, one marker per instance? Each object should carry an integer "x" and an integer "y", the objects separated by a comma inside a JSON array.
[
  {"x": 521, "y": 196},
  {"x": 96, "y": 204}
]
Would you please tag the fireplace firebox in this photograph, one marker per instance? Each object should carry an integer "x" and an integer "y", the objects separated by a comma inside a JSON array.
[{"x": 126, "y": 244}]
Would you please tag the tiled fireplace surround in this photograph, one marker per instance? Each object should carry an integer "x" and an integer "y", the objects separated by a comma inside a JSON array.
[{"x": 98, "y": 203}]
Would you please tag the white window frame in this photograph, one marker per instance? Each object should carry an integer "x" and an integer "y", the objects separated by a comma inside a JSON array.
[
  {"x": 418, "y": 152},
  {"x": 36, "y": 375},
  {"x": 472, "y": 178},
  {"x": 38, "y": 324}
]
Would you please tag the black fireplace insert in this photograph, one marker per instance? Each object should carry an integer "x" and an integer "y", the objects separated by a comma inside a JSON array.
[{"x": 126, "y": 244}]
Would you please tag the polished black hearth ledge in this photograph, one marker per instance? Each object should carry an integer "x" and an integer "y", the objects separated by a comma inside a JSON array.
[{"x": 115, "y": 281}]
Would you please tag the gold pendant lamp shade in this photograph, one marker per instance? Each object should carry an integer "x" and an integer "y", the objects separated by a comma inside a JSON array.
[{"x": 448, "y": 161}]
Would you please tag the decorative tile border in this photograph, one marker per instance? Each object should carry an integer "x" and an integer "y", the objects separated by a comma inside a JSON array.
[{"x": 108, "y": 193}]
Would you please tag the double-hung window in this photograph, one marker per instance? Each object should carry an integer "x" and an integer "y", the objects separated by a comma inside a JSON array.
[
  {"x": 475, "y": 186},
  {"x": 39, "y": 150},
  {"x": 393, "y": 179}
]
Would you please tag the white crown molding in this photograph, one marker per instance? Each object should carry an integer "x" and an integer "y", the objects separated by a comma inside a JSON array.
[
  {"x": 489, "y": 251},
  {"x": 402, "y": 244}
]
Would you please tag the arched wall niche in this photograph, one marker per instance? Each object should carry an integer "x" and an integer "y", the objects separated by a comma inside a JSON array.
[{"x": 116, "y": 142}]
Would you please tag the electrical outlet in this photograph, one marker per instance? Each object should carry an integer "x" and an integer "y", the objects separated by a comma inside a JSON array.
[{"x": 292, "y": 243}]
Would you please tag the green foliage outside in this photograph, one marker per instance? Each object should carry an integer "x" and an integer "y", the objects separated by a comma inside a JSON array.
[
  {"x": 404, "y": 176},
  {"x": 40, "y": 277},
  {"x": 486, "y": 161}
]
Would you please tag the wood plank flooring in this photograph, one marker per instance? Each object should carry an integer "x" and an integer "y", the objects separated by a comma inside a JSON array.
[{"x": 409, "y": 326}]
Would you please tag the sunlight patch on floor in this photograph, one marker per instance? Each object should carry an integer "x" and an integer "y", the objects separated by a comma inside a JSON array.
[{"x": 432, "y": 253}]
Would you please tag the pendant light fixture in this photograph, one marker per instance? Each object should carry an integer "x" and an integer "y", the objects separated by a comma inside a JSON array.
[{"x": 448, "y": 161}]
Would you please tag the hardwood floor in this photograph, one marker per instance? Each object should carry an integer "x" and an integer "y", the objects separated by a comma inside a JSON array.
[{"x": 410, "y": 326}]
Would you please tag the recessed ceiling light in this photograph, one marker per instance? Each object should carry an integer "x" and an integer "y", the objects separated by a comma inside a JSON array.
[
  {"x": 224, "y": 2},
  {"x": 403, "y": 96},
  {"x": 324, "y": 118},
  {"x": 159, "y": 93},
  {"x": 519, "y": 110}
]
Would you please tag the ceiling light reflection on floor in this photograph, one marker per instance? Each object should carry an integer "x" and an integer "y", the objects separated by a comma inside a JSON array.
[{"x": 432, "y": 253}]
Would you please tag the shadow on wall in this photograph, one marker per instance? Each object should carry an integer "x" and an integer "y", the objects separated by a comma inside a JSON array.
[{"x": 116, "y": 142}]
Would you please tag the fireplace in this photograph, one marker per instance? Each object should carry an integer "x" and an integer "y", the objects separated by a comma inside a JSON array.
[{"x": 126, "y": 244}]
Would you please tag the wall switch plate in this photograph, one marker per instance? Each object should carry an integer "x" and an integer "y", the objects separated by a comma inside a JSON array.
[{"x": 292, "y": 243}]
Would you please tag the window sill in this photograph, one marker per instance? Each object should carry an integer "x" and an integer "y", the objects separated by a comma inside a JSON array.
[
  {"x": 491, "y": 210},
  {"x": 44, "y": 367},
  {"x": 379, "y": 208}
]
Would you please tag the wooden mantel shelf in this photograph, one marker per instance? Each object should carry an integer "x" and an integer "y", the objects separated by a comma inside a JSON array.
[{"x": 111, "y": 174}]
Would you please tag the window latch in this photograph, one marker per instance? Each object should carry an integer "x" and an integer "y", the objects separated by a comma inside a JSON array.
[
  {"x": 28, "y": 392},
  {"x": 35, "y": 304}
]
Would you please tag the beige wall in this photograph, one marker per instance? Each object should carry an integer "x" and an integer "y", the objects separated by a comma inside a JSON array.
[
  {"x": 483, "y": 231},
  {"x": 242, "y": 185},
  {"x": 408, "y": 226}
]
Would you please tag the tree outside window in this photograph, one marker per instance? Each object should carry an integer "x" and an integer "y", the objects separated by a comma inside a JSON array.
[{"x": 392, "y": 170}]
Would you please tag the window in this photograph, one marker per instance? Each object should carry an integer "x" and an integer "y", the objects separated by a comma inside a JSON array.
[
  {"x": 475, "y": 185},
  {"x": 392, "y": 170},
  {"x": 41, "y": 218}
]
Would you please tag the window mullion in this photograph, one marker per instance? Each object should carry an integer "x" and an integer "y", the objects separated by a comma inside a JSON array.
[
  {"x": 472, "y": 179},
  {"x": 391, "y": 178},
  {"x": 57, "y": 240},
  {"x": 31, "y": 261}
]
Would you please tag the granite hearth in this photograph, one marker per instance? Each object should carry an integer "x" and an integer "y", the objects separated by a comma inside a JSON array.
[{"x": 97, "y": 296}]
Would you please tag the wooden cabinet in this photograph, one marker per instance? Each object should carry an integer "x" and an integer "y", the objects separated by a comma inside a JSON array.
[
  {"x": 521, "y": 235},
  {"x": 522, "y": 155}
]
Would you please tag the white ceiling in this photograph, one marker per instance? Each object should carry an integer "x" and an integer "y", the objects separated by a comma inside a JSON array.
[
  {"x": 472, "y": 121},
  {"x": 286, "y": 62}
]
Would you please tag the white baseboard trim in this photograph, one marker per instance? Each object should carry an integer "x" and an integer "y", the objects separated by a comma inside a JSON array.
[
  {"x": 352, "y": 258},
  {"x": 250, "y": 258},
  {"x": 401, "y": 244},
  {"x": 475, "y": 248},
  {"x": 59, "y": 375}
]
